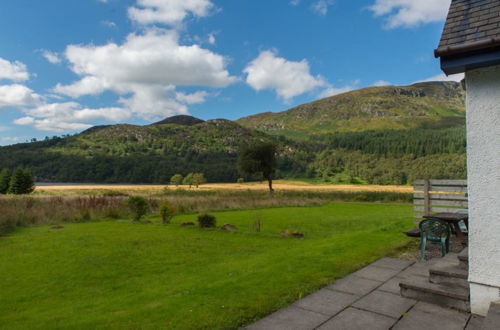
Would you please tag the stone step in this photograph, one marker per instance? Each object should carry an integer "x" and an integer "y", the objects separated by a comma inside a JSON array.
[
  {"x": 492, "y": 320},
  {"x": 439, "y": 294},
  {"x": 463, "y": 258},
  {"x": 449, "y": 275}
]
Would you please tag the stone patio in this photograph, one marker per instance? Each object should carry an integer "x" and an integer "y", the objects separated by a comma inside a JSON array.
[{"x": 370, "y": 299}]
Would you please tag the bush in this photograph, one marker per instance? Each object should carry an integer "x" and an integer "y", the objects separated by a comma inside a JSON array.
[
  {"x": 206, "y": 221},
  {"x": 240, "y": 180},
  {"x": 166, "y": 212},
  {"x": 139, "y": 207}
]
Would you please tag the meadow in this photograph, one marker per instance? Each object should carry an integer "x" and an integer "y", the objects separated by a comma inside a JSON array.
[{"x": 77, "y": 261}]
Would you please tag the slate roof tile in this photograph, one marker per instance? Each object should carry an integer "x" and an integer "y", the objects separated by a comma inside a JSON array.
[{"x": 470, "y": 22}]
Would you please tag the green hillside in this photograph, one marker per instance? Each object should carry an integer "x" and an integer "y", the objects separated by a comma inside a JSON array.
[
  {"x": 423, "y": 105},
  {"x": 384, "y": 135},
  {"x": 138, "y": 154}
]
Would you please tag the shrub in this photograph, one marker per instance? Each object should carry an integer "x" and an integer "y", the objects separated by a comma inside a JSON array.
[
  {"x": 139, "y": 207},
  {"x": 206, "y": 221},
  {"x": 240, "y": 180},
  {"x": 166, "y": 212}
]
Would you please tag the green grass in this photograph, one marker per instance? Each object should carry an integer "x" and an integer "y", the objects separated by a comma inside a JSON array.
[{"x": 120, "y": 275}]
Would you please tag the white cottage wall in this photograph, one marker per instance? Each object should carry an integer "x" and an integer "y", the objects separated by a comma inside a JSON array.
[{"x": 483, "y": 167}]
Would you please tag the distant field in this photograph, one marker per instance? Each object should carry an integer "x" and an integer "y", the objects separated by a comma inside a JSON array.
[
  {"x": 279, "y": 185},
  {"x": 117, "y": 274}
]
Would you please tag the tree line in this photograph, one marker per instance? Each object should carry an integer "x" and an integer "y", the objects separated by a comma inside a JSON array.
[{"x": 374, "y": 157}]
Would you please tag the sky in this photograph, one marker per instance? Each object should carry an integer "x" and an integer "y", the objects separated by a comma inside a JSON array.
[{"x": 66, "y": 66}]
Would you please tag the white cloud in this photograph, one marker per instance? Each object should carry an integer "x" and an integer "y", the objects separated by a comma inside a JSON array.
[
  {"x": 109, "y": 24},
  {"x": 410, "y": 13},
  {"x": 17, "y": 95},
  {"x": 211, "y": 39},
  {"x": 15, "y": 71},
  {"x": 320, "y": 7},
  {"x": 331, "y": 91},
  {"x": 153, "y": 103},
  {"x": 11, "y": 139},
  {"x": 193, "y": 98},
  {"x": 294, "y": 2},
  {"x": 287, "y": 78},
  {"x": 168, "y": 12},
  {"x": 145, "y": 71},
  {"x": 68, "y": 116},
  {"x": 380, "y": 83},
  {"x": 52, "y": 57},
  {"x": 443, "y": 77}
]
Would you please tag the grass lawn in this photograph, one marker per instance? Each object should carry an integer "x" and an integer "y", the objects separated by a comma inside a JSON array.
[{"x": 117, "y": 274}]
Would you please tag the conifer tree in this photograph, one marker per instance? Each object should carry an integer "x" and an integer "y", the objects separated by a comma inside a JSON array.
[
  {"x": 21, "y": 182},
  {"x": 5, "y": 175}
]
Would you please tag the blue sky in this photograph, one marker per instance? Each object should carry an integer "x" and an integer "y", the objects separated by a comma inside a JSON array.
[{"x": 68, "y": 65}]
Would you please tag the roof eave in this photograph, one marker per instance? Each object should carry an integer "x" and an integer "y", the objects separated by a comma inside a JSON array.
[
  {"x": 459, "y": 63},
  {"x": 467, "y": 47}
]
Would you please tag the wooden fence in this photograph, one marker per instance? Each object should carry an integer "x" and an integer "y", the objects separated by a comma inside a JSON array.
[{"x": 433, "y": 196}]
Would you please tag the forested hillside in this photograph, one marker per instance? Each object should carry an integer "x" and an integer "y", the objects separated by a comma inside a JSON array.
[{"x": 383, "y": 135}]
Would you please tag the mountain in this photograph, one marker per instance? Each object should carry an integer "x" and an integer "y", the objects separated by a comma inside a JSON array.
[
  {"x": 422, "y": 105},
  {"x": 180, "y": 120},
  {"x": 384, "y": 135}
]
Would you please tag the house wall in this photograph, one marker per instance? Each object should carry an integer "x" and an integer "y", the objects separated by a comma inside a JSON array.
[{"x": 483, "y": 166}]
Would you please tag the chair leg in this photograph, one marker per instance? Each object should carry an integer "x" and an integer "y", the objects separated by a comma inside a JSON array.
[{"x": 423, "y": 241}]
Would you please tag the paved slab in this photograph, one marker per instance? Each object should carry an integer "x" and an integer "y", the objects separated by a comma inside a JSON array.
[
  {"x": 392, "y": 285},
  {"x": 381, "y": 274},
  {"x": 428, "y": 316},
  {"x": 385, "y": 303},
  {"x": 393, "y": 263},
  {"x": 290, "y": 318},
  {"x": 355, "y": 319},
  {"x": 326, "y": 302},
  {"x": 419, "y": 268},
  {"x": 354, "y": 285},
  {"x": 369, "y": 299},
  {"x": 475, "y": 323}
]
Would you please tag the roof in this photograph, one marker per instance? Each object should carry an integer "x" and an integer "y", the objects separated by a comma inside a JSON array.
[{"x": 471, "y": 25}]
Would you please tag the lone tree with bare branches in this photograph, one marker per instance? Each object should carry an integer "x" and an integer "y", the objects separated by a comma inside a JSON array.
[{"x": 259, "y": 158}]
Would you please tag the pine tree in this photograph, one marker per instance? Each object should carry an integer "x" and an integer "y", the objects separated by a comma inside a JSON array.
[
  {"x": 5, "y": 175},
  {"x": 21, "y": 182}
]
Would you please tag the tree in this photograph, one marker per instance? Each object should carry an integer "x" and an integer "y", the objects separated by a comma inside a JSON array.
[
  {"x": 259, "y": 159},
  {"x": 198, "y": 179},
  {"x": 188, "y": 180},
  {"x": 176, "y": 180},
  {"x": 21, "y": 182},
  {"x": 5, "y": 175}
]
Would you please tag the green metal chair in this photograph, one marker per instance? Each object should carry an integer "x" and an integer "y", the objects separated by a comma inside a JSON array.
[{"x": 434, "y": 231}]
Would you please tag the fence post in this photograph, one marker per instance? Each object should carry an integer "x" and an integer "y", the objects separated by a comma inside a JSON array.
[{"x": 427, "y": 188}]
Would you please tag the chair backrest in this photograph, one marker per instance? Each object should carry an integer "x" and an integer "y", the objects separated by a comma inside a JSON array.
[{"x": 434, "y": 229}]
